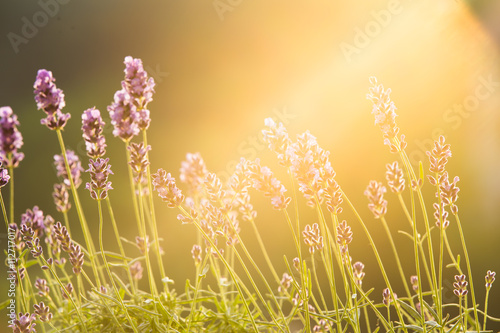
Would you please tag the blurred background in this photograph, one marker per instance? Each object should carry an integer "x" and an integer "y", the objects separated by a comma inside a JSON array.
[{"x": 222, "y": 67}]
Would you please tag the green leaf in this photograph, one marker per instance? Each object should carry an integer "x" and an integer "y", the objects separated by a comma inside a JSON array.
[
  {"x": 30, "y": 263},
  {"x": 414, "y": 313},
  {"x": 431, "y": 310},
  {"x": 116, "y": 255},
  {"x": 413, "y": 327},
  {"x": 4, "y": 304}
]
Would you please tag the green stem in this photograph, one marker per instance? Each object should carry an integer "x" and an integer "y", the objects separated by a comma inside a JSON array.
[
  {"x": 11, "y": 203},
  {"x": 398, "y": 261},
  {"x": 264, "y": 251},
  {"x": 469, "y": 271},
  {"x": 68, "y": 295},
  {"x": 486, "y": 307},
  {"x": 83, "y": 222},
  {"x": 120, "y": 245},
  {"x": 152, "y": 283},
  {"x": 153, "y": 214},
  {"x": 101, "y": 222},
  {"x": 379, "y": 260},
  {"x": 4, "y": 211},
  {"x": 434, "y": 286},
  {"x": 233, "y": 275},
  {"x": 132, "y": 188}
]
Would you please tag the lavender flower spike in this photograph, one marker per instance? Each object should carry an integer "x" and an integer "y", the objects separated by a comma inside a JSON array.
[
  {"x": 99, "y": 173},
  {"x": 74, "y": 165},
  {"x": 124, "y": 116},
  {"x": 137, "y": 83},
  {"x": 50, "y": 99},
  {"x": 4, "y": 176},
  {"x": 92, "y": 125},
  {"x": 10, "y": 138}
]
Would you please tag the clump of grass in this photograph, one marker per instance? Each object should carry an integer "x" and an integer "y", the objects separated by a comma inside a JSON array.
[{"x": 83, "y": 288}]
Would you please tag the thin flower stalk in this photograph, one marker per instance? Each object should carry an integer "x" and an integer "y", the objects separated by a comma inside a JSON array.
[
  {"x": 384, "y": 111},
  {"x": 143, "y": 233},
  {"x": 398, "y": 261},
  {"x": 379, "y": 260},
  {"x": 230, "y": 270},
  {"x": 119, "y": 242},
  {"x": 83, "y": 222},
  {"x": 153, "y": 213},
  {"x": 103, "y": 254},
  {"x": 469, "y": 272},
  {"x": 490, "y": 278}
]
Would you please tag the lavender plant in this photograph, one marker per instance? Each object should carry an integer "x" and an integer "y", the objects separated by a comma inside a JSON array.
[{"x": 84, "y": 290}]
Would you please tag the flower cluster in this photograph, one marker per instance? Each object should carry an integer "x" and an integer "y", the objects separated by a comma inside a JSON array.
[
  {"x": 460, "y": 285},
  {"x": 35, "y": 219},
  {"x": 50, "y": 99},
  {"x": 344, "y": 237},
  {"x": 449, "y": 192},
  {"x": 139, "y": 86},
  {"x": 43, "y": 312},
  {"x": 438, "y": 158},
  {"x": 75, "y": 167},
  {"x": 489, "y": 278},
  {"x": 124, "y": 116},
  {"x": 309, "y": 164},
  {"x": 43, "y": 288},
  {"x": 395, "y": 178},
  {"x": 128, "y": 111},
  {"x": 136, "y": 270},
  {"x": 61, "y": 198},
  {"x": 24, "y": 323},
  {"x": 193, "y": 172},
  {"x": 312, "y": 238},
  {"x": 139, "y": 160},
  {"x": 4, "y": 176},
  {"x": 375, "y": 193},
  {"x": 92, "y": 125},
  {"x": 264, "y": 181},
  {"x": 10, "y": 138},
  {"x": 285, "y": 283},
  {"x": 277, "y": 138},
  {"x": 99, "y": 173},
  {"x": 196, "y": 254},
  {"x": 386, "y": 297},
  {"x": 414, "y": 282},
  {"x": 164, "y": 184},
  {"x": 31, "y": 241},
  {"x": 358, "y": 273}
]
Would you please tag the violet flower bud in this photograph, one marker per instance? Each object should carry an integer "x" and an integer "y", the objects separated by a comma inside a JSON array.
[
  {"x": 139, "y": 160},
  {"x": 4, "y": 176},
  {"x": 10, "y": 138},
  {"x": 50, "y": 99},
  {"x": 92, "y": 125},
  {"x": 74, "y": 165},
  {"x": 137, "y": 83},
  {"x": 99, "y": 173},
  {"x": 124, "y": 116}
]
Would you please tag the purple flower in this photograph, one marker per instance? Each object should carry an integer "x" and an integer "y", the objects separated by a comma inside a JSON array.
[
  {"x": 24, "y": 324},
  {"x": 124, "y": 116},
  {"x": 99, "y": 173},
  {"x": 10, "y": 138},
  {"x": 74, "y": 165},
  {"x": 4, "y": 176},
  {"x": 50, "y": 99},
  {"x": 92, "y": 125},
  {"x": 139, "y": 160},
  {"x": 34, "y": 219},
  {"x": 61, "y": 198},
  {"x": 137, "y": 83}
]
